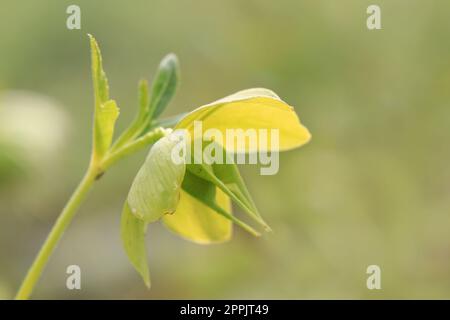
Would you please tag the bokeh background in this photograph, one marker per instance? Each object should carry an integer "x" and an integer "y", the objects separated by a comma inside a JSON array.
[{"x": 371, "y": 188}]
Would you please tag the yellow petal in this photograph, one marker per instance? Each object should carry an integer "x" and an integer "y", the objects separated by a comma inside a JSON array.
[
  {"x": 251, "y": 109},
  {"x": 196, "y": 222}
]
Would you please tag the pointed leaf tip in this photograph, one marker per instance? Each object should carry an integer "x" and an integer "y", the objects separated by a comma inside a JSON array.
[
  {"x": 133, "y": 238},
  {"x": 164, "y": 85},
  {"x": 106, "y": 110}
]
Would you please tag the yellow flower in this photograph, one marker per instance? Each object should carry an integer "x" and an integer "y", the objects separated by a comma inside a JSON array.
[
  {"x": 194, "y": 199},
  {"x": 247, "y": 109}
]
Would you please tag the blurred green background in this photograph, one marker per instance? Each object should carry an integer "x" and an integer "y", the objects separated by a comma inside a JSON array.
[{"x": 371, "y": 188}]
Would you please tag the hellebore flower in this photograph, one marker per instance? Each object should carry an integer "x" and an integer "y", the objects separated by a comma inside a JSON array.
[
  {"x": 190, "y": 177},
  {"x": 193, "y": 198}
]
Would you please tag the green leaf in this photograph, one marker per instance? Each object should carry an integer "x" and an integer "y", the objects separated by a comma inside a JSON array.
[
  {"x": 151, "y": 106},
  {"x": 106, "y": 110},
  {"x": 105, "y": 120},
  {"x": 205, "y": 192},
  {"x": 133, "y": 238},
  {"x": 144, "y": 101},
  {"x": 227, "y": 178},
  {"x": 156, "y": 188},
  {"x": 229, "y": 174},
  {"x": 133, "y": 130},
  {"x": 101, "y": 88},
  {"x": 164, "y": 85}
]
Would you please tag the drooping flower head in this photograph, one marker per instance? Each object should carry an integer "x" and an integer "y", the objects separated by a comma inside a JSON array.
[{"x": 193, "y": 197}]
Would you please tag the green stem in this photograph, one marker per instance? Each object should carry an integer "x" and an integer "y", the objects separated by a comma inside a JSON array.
[
  {"x": 55, "y": 235},
  {"x": 77, "y": 198}
]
